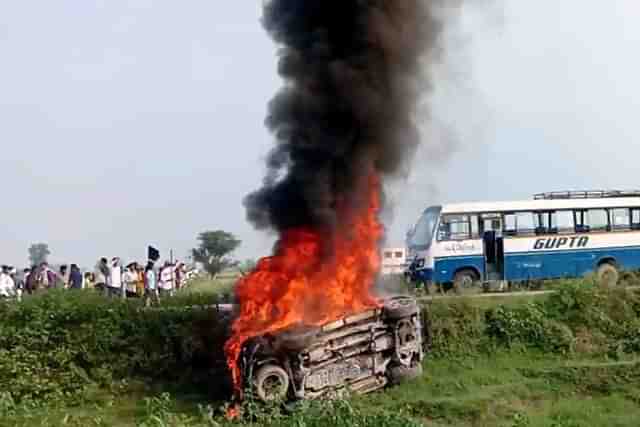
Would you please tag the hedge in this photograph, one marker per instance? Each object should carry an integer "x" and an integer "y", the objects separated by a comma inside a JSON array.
[{"x": 57, "y": 345}]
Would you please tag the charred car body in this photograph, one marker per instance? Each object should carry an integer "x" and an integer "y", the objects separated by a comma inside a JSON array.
[{"x": 356, "y": 354}]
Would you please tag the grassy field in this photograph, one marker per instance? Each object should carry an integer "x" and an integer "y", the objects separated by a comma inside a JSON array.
[
  {"x": 223, "y": 284},
  {"x": 590, "y": 384},
  {"x": 512, "y": 389}
]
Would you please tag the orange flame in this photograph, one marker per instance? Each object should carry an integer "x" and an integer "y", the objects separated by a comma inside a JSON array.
[
  {"x": 300, "y": 285},
  {"x": 233, "y": 412}
]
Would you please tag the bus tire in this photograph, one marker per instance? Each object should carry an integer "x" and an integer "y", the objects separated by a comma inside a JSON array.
[
  {"x": 607, "y": 275},
  {"x": 464, "y": 280}
]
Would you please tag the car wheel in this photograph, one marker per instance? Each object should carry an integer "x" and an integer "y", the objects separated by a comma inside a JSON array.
[
  {"x": 400, "y": 374},
  {"x": 407, "y": 343},
  {"x": 399, "y": 308},
  {"x": 271, "y": 383},
  {"x": 607, "y": 275}
]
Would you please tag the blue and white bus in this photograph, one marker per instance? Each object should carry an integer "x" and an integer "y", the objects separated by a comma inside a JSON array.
[{"x": 555, "y": 235}]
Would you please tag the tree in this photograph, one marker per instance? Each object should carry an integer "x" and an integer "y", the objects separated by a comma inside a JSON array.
[
  {"x": 39, "y": 253},
  {"x": 214, "y": 250}
]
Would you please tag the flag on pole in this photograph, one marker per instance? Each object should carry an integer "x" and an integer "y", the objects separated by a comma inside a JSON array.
[{"x": 153, "y": 254}]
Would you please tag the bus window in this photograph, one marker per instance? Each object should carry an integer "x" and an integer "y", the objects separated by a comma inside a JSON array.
[
  {"x": 510, "y": 224},
  {"x": 521, "y": 223},
  {"x": 475, "y": 226},
  {"x": 421, "y": 236},
  {"x": 455, "y": 227},
  {"x": 621, "y": 219},
  {"x": 592, "y": 220},
  {"x": 598, "y": 219},
  {"x": 563, "y": 222},
  {"x": 526, "y": 223},
  {"x": 543, "y": 223},
  {"x": 635, "y": 219},
  {"x": 491, "y": 222}
]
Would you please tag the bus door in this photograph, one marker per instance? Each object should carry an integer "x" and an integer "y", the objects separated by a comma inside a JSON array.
[{"x": 493, "y": 244}]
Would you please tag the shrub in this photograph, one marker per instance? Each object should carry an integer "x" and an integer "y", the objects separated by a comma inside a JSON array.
[
  {"x": 56, "y": 345},
  {"x": 456, "y": 329},
  {"x": 529, "y": 325}
]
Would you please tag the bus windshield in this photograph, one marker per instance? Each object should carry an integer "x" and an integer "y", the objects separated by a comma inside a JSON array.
[{"x": 423, "y": 233}]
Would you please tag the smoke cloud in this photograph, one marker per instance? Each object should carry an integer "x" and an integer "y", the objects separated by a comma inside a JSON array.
[{"x": 354, "y": 71}]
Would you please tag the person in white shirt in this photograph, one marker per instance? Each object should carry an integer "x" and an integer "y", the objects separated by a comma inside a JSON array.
[
  {"x": 130, "y": 278},
  {"x": 166, "y": 284},
  {"x": 7, "y": 285},
  {"x": 114, "y": 284},
  {"x": 150, "y": 285}
]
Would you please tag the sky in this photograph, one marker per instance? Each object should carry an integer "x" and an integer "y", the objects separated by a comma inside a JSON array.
[{"x": 127, "y": 123}]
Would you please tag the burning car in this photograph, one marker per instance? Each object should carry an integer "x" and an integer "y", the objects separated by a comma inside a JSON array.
[{"x": 358, "y": 354}]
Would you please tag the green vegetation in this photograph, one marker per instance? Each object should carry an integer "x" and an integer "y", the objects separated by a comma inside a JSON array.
[
  {"x": 214, "y": 251},
  {"x": 565, "y": 359},
  {"x": 221, "y": 286},
  {"x": 38, "y": 253}
]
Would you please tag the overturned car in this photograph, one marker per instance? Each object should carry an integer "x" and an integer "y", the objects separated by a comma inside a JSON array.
[{"x": 356, "y": 354}]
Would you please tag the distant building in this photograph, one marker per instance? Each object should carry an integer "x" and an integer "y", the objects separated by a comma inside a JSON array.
[{"x": 393, "y": 260}]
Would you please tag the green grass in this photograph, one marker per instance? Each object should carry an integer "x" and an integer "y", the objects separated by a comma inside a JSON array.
[
  {"x": 510, "y": 389},
  {"x": 478, "y": 385},
  {"x": 206, "y": 285},
  {"x": 518, "y": 388},
  {"x": 486, "y": 302}
]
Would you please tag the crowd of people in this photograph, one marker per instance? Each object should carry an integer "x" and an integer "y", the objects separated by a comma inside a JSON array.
[{"x": 113, "y": 278}]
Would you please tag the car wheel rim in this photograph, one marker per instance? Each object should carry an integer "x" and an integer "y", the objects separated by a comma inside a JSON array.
[{"x": 272, "y": 387}]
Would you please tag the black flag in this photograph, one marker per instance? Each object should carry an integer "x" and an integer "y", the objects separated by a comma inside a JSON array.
[{"x": 153, "y": 254}]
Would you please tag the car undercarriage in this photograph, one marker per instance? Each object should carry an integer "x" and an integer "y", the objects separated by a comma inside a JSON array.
[{"x": 356, "y": 354}]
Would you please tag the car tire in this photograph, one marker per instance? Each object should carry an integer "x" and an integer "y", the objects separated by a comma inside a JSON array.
[
  {"x": 607, "y": 275},
  {"x": 271, "y": 383},
  {"x": 464, "y": 280},
  {"x": 400, "y": 374},
  {"x": 400, "y": 308}
]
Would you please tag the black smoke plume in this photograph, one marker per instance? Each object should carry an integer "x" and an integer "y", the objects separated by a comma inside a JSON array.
[{"x": 353, "y": 72}]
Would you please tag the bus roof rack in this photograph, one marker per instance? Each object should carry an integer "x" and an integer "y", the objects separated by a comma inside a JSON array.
[{"x": 589, "y": 194}]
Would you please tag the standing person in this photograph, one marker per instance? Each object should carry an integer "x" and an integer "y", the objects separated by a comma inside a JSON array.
[
  {"x": 75, "y": 277},
  {"x": 64, "y": 276},
  {"x": 18, "y": 285},
  {"x": 102, "y": 275},
  {"x": 114, "y": 282},
  {"x": 150, "y": 285},
  {"x": 166, "y": 280},
  {"x": 140, "y": 280},
  {"x": 179, "y": 275},
  {"x": 47, "y": 278},
  {"x": 24, "y": 281},
  {"x": 31, "y": 280},
  {"x": 7, "y": 285},
  {"x": 89, "y": 281},
  {"x": 130, "y": 279}
]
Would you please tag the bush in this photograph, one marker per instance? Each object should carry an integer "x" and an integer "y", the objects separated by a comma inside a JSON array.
[
  {"x": 56, "y": 345},
  {"x": 321, "y": 414},
  {"x": 579, "y": 315},
  {"x": 530, "y": 326},
  {"x": 456, "y": 329}
]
